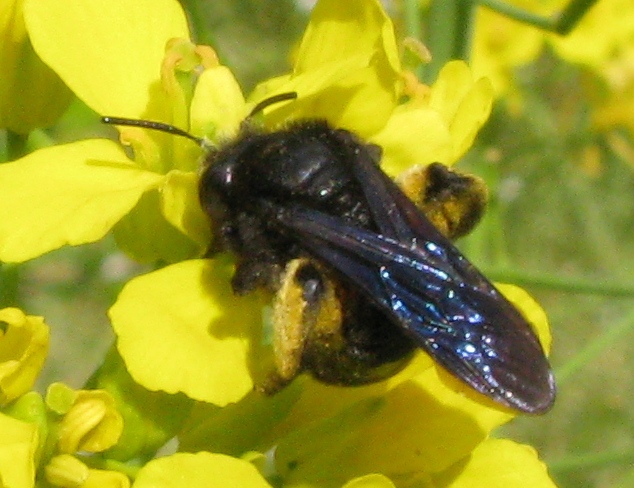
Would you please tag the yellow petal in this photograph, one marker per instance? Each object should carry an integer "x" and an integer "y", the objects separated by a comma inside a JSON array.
[
  {"x": 67, "y": 471},
  {"x": 408, "y": 430},
  {"x": 342, "y": 102},
  {"x": 498, "y": 463},
  {"x": 484, "y": 414},
  {"x": 18, "y": 445},
  {"x": 414, "y": 134},
  {"x": 182, "y": 329},
  {"x": 470, "y": 116},
  {"x": 347, "y": 57},
  {"x": 337, "y": 92},
  {"x": 218, "y": 106},
  {"x": 147, "y": 236},
  {"x": 531, "y": 310},
  {"x": 199, "y": 470},
  {"x": 438, "y": 127},
  {"x": 180, "y": 206},
  {"x": 238, "y": 427},
  {"x": 99, "y": 478},
  {"x": 92, "y": 424},
  {"x": 318, "y": 401},
  {"x": 109, "y": 52},
  {"x": 463, "y": 103},
  {"x": 341, "y": 30},
  {"x": 70, "y": 194},
  {"x": 614, "y": 111},
  {"x": 23, "y": 348}
]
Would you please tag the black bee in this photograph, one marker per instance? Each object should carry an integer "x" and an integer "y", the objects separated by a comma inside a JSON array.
[{"x": 361, "y": 275}]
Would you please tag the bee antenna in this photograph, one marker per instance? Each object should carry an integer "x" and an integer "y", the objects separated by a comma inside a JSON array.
[
  {"x": 202, "y": 142},
  {"x": 267, "y": 102},
  {"x": 149, "y": 124}
]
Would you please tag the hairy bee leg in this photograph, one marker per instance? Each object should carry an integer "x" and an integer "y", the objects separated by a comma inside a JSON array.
[
  {"x": 452, "y": 200},
  {"x": 305, "y": 309}
]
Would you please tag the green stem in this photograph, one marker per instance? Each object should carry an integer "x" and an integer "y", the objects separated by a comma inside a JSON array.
[
  {"x": 561, "y": 23},
  {"x": 594, "y": 349},
  {"x": 463, "y": 35},
  {"x": 412, "y": 18},
  {"x": 197, "y": 22},
  {"x": 129, "y": 470},
  {"x": 449, "y": 33},
  {"x": 591, "y": 460},
  {"x": 571, "y": 15},
  {"x": 96, "y": 462},
  {"x": 440, "y": 26},
  {"x": 519, "y": 14},
  {"x": 560, "y": 283}
]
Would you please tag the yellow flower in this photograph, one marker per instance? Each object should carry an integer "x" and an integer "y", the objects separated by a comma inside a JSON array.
[
  {"x": 602, "y": 36},
  {"x": 603, "y": 41},
  {"x": 422, "y": 424},
  {"x": 615, "y": 108},
  {"x": 183, "y": 355},
  {"x": 149, "y": 201},
  {"x": 348, "y": 56},
  {"x": 23, "y": 349},
  {"x": 31, "y": 94},
  {"x": 181, "y": 329},
  {"x": 90, "y": 420},
  {"x": 67, "y": 471},
  {"x": 443, "y": 120}
]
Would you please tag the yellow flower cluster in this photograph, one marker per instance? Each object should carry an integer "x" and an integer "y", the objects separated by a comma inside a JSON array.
[
  {"x": 180, "y": 329},
  {"x": 48, "y": 432},
  {"x": 602, "y": 42}
]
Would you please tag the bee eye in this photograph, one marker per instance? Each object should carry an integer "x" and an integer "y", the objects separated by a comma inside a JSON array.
[{"x": 220, "y": 176}]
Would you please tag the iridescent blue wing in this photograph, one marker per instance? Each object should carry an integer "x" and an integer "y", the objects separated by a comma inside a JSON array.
[{"x": 424, "y": 284}]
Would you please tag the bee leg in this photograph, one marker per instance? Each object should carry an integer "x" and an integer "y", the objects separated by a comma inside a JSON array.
[
  {"x": 453, "y": 201},
  {"x": 305, "y": 308}
]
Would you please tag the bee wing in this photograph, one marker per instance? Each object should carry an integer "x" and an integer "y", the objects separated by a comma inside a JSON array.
[{"x": 423, "y": 283}]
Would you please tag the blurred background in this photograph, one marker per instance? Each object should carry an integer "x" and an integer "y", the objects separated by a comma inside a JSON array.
[{"x": 558, "y": 156}]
